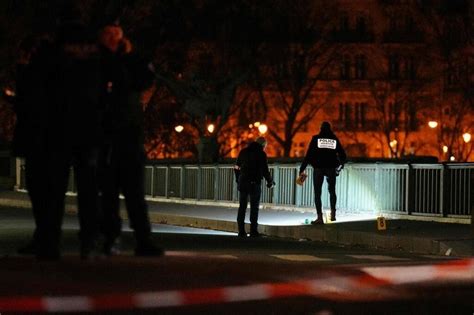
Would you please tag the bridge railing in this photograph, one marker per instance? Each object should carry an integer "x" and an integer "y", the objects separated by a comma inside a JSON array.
[{"x": 444, "y": 190}]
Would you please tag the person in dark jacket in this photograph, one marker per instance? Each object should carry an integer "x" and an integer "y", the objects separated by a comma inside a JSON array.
[
  {"x": 122, "y": 169},
  {"x": 68, "y": 118},
  {"x": 250, "y": 168},
  {"x": 325, "y": 154},
  {"x": 27, "y": 131}
]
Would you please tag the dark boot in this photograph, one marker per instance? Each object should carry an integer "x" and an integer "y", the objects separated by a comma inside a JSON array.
[
  {"x": 319, "y": 219},
  {"x": 333, "y": 215},
  {"x": 242, "y": 234},
  {"x": 111, "y": 247},
  {"x": 254, "y": 230},
  {"x": 255, "y": 234}
]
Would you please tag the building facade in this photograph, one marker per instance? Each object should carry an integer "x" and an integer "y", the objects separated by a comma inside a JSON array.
[{"x": 395, "y": 84}]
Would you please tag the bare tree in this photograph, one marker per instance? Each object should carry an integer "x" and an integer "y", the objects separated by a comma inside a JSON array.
[
  {"x": 214, "y": 67},
  {"x": 397, "y": 108},
  {"x": 291, "y": 63},
  {"x": 450, "y": 24}
]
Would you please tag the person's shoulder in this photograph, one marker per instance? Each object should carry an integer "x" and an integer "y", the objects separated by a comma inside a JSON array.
[{"x": 244, "y": 150}]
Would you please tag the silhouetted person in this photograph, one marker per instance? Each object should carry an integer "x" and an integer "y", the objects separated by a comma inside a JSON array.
[
  {"x": 69, "y": 90},
  {"x": 325, "y": 154},
  {"x": 250, "y": 168},
  {"x": 123, "y": 155},
  {"x": 28, "y": 130}
]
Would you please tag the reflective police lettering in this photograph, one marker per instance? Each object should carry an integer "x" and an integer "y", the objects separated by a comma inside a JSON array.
[{"x": 324, "y": 143}]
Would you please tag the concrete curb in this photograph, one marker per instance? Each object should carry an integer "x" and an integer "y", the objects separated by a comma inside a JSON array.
[
  {"x": 301, "y": 209},
  {"x": 325, "y": 233}
]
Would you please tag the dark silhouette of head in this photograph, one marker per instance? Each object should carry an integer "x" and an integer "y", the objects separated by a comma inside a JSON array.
[
  {"x": 262, "y": 141},
  {"x": 326, "y": 127}
]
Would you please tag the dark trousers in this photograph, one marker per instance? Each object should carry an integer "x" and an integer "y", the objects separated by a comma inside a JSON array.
[
  {"x": 318, "y": 179},
  {"x": 35, "y": 176},
  {"x": 123, "y": 171},
  {"x": 252, "y": 191},
  {"x": 49, "y": 215}
]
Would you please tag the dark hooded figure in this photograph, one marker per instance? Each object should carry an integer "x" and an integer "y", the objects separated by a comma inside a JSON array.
[
  {"x": 250, "y": 168},
  {"x": 325, "y": 154}
]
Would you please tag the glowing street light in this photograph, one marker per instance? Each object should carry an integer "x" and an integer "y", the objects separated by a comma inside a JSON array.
[
  {"x": 211, "y": 128},
  {"x": 467, "y": 137},
  {"x": 256, "y": 124},
  {"x": 179, "y": 128},
  {"x": 263, "y": 129},
  {"x": 433, "y": 124},
  {"x": 393, "y": 143},
  {"x": 452, "y": 158},
  {"x": 445, "y": 148},
  {"x": 9, "y": 92}
]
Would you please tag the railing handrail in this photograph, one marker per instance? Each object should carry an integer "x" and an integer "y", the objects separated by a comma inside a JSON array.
[{"x": 431, "y": 189}]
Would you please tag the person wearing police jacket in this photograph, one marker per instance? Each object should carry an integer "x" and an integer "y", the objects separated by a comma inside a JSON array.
[
  {"x": 326, "y": 155},
  {"x": 250, "y": 168}
]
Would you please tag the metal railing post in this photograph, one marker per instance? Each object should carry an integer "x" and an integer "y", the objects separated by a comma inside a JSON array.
[
  {"x": 410, "y": 189},
  {"x": 216, "y": 182},
  {"x": 298, "y": 190},
  {"x": 152, "y": 182},
  {"x": 378, "y": 188},
  {"x": 276, "y": 189},
  {"x": 181, "y": 182},
  {"x": 17, "y": 173},
  {"x": 444, "y": 196},
  {"x": 199, "y": 185},
  {"x": 167, "y": 179},
  {"x": 345, "y": 173}
]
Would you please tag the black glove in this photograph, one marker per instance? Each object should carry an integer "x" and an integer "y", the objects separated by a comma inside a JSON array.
[{"x": 271, "y": 184}]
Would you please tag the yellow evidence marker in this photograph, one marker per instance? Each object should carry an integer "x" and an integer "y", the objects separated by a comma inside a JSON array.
[{"x": 381, "y": 224}]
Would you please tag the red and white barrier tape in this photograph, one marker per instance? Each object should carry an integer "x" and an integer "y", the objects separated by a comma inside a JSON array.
[{"x": 351, "y": 287}]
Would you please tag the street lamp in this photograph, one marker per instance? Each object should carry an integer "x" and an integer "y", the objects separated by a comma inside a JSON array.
[
  {"x": 433, "y": 124},
  {"x": 263, "y": 129},
  {"x": 445, "y": 148},
  {"x": 179, "y": 128},
  {"x": 467, "y": 137},
  {"x": 210, "y": 128}
]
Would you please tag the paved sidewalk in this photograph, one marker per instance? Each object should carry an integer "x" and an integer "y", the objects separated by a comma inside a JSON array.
[{"x": 423, "y": 237}]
